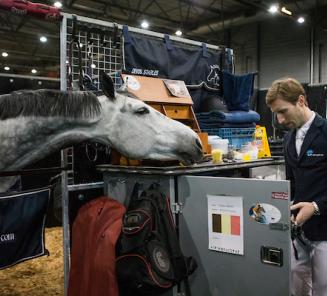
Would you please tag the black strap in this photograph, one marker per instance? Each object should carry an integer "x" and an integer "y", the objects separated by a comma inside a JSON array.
[
  {"x": 89, "y": 53},
  {"x": 75, "y": 42},
  {"x": 127, "y": 36},
  {"x": 185, "y": 287},
  {"x": 135, "y": 191},
  {"x": 297, "y": 234},
  {"x": 223, "y": 66},
  {"x": 168, "y": 42},
  {"x": 296, "y": 255},
  {"x": 115, "y": 36},
  {"x": 205, "y": 53}
]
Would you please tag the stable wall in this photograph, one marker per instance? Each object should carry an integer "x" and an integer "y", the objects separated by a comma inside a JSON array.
[{"x": 280, "y": 47}]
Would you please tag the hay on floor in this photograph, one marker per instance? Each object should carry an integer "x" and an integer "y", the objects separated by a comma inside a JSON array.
[{"x": 40, "y": 276}]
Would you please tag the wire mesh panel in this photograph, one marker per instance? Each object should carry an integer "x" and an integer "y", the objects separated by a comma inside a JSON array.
[{"x": 92, "y": 48}]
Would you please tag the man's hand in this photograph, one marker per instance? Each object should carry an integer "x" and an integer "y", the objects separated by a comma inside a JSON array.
[{"x": 306, "y": 211}]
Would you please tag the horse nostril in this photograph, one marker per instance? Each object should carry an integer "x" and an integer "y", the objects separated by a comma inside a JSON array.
[{"x": 198, "y": 143}]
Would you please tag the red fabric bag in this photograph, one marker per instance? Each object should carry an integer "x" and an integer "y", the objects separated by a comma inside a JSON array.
[
  {"x": 23, "y": 7},
  {"x": 94, "y": 235}
]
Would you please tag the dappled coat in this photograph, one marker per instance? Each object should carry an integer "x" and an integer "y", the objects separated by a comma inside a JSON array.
[{"x": 95, "y": 232}]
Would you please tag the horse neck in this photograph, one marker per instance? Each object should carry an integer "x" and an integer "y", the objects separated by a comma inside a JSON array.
[{"x": 26, "y": 139}]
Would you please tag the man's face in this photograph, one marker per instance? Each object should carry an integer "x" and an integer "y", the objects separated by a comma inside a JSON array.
[{"x": 289, "y": 115}]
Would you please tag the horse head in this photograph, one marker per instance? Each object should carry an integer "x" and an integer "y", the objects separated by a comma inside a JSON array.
[
  {"x": 258, "y": 209},
  {"x": 213, "y": 76},
  {"x": 35, "y": 123},
  {"x": 139, "y": 131}
]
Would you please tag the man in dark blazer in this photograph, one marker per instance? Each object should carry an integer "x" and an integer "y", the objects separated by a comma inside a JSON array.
[{"x": 305, "y": 149}]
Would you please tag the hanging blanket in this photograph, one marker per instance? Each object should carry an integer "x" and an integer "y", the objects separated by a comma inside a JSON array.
[
  {"x": 205, "y": 126},
  {"x": 238, "y": 90},
  {"x": 93, "y": 259},
  {"x": 199, "y": 67},
  {"x": 228, "y": 117},
  {"x": 22, "y": 221}
]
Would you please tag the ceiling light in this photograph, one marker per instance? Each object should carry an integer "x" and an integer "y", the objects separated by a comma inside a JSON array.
[
  {"x": 43, "y": 39},
  {"x": 7, "y": 68},
  {"x": 273, "y": 8},
  {"x": 11, "y": 80},
  {"x": 4, "y": 54},
  {"x": 93, "y": 66},
  {"x": 145, "y": 25},
  {"x": 286, "y": 11},
  {"x": 178, "y": 33},
  {"x": 33, "y": 71},
  {"x": 57, "y": 4},
  {"x": 301, "y": 20},
  {"x": 39, "y": 82}
]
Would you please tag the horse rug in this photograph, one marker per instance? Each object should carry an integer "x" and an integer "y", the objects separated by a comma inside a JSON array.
[{"x": 22, "y": 222}]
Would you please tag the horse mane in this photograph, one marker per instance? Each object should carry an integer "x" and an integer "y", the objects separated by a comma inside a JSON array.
[{"x": 46, "y": 102}]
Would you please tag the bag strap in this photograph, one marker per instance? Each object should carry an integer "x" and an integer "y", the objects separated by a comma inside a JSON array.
[
  {"x": 187, "y": 287},
  {"x": 135, "y": 192}
]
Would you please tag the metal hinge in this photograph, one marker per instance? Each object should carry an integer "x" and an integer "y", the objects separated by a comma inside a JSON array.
[{"x": 177, "y": 208}]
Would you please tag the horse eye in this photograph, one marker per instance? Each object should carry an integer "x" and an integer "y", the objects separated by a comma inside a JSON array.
[{"x": 142, "y": 110}]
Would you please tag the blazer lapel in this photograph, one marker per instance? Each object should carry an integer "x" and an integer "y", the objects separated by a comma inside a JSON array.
[
  {"x": 290, "y": 145},
  {"x": 312, "y": 133}
]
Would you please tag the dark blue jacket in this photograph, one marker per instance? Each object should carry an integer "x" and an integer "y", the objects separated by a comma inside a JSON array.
[{"x": 308, "y": 174}]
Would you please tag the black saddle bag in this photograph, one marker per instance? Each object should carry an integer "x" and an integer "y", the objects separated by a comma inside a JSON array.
[{"x": 149, "y": 257}]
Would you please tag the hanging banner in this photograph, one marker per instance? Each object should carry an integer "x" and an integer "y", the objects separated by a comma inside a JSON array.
[
  {"x": 198, "y": 66},
  {"x": 22, "y": 222}
]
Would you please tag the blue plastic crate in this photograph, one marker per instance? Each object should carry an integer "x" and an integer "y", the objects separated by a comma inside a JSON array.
[{"x": 236, "y": 136}]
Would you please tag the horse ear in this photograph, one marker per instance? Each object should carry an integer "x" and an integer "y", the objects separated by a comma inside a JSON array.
[{"x": 107, "y": 85}]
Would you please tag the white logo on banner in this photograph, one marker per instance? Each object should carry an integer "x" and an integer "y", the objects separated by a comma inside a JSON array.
[
  {"x": 8, "y": 237},
  {"x": 213, "y": 76}
]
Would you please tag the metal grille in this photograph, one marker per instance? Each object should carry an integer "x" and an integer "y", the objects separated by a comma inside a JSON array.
[{"x": 98, "y": 52}]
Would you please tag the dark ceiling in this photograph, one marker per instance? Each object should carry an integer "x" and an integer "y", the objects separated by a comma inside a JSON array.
[{"x": 203, "y": 20}]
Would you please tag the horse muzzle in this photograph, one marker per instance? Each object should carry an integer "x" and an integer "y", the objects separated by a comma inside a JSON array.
[{"x": 191, "y": 154}]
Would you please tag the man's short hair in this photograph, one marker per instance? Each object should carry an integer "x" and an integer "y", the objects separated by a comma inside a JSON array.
[{"x": 288, "y": 89}]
